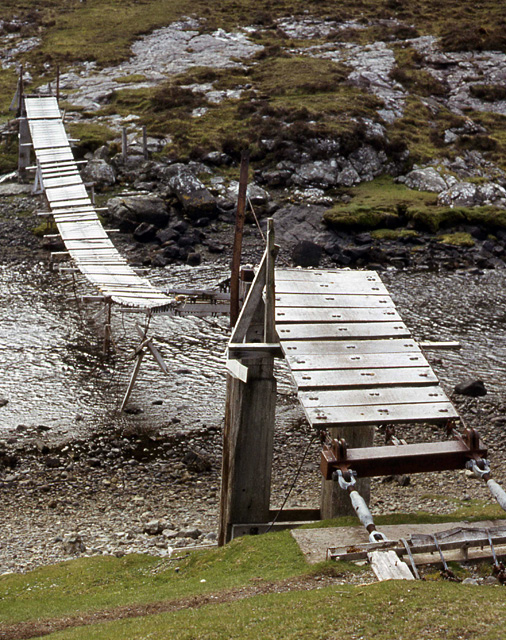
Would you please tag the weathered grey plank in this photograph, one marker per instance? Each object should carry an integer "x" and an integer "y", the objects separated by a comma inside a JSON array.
[
  {"x": 335, "y": 331},
  {"x": 388, "y": 566},
  {"x": 328, "y": 347},
  {"x": 288, "y": 314},
  {"x": 376, "y": 414},
  {"x": 340, "y": 286},
  {"x": 366, "y": 397},
  {"x": 323, "y": 300},
  {"x": 357, "y": 361},
  {"x": 326, "y": 275},
  {"x": 364, "y": 378}
]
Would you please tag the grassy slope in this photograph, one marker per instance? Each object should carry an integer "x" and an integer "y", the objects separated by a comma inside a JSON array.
[
  {"x": 407, "y": 611},
  {"x": 93, "y": 584}
]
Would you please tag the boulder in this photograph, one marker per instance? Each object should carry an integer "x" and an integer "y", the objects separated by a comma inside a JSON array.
[
  {"x": 348, "y": 177},
  {"x": 100, "y": 173},
  {"x": 129, "y": 212},
  {"x": 193, "y": 195},
  {"x": 473, "y": 388},
  {"x": 426, "y": 179},
  {"x": 145, "y": 232},
  {"x": 197, "y": 461},
  {"x": 154, "y": 527},
  {"x": 256, "y": 194},
  {"x": 321, "y": 173},
  {"x": 368, "y": 162},
  {"x": 468, "y": 194},
  {"x": 295, "y": 223},
  {"x": 193, "y": 259},
  {"x": 306, "y": 254}
]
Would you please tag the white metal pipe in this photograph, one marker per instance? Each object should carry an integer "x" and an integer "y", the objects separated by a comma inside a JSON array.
[
  {"x": 498, "y": 492},
  {"x": 361, "y": 509}
]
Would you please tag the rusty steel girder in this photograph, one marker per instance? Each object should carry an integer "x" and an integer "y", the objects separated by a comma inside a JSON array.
[{"x": 397, "y": 459}]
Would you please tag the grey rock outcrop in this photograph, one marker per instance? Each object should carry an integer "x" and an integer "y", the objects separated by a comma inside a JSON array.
[
  {"x": 193, "y": 195},
  {"x": 129, "y": 212},
  {"x": 301, "y": 222},
  {"x": 427, "y": 179},
  {"x": 99, "y": 172},
  {"x": 468, "y": 194}
]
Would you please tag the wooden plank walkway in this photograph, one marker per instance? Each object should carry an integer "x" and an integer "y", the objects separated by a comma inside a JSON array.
[
  {"x": 351, "y": 356},
  {"x": 76, "y": 218}
]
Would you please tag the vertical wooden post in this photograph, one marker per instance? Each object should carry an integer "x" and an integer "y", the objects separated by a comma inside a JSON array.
[
  {"x": 58, "y": 83},
  {"x": 145, "y": 143},
  {"x": 24, "y": 137},
  {"x": 247, "y": 447},
  {"x": 270, "y": 288},
  {"x": 107, "y": 327},
  {"x": 239, "y": 227},
  {"x": 334, "y": 501},
  {"x": 124, "y": 143},
  {"x": 248, "y": 434}
]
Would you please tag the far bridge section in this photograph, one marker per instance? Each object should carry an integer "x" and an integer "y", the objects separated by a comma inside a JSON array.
[
  {"x": 85, "y": 239},
  {"x": 87, "y": 243},
  {"x": 356, "y": 367}
]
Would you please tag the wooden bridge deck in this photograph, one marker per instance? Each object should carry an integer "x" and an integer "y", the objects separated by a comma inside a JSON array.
[
  {"x": 352, "y": 358},
  {"x": 75, "y": 216}
]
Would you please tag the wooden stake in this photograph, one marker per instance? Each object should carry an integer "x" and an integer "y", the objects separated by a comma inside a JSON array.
[
  {"x": 124, "y": 143},
  {"x": 107, "y": 327},
  {"x": 239, "y": 228},
  {"x": 133, "y": 377},
  {"x": 145, "y": 143}
]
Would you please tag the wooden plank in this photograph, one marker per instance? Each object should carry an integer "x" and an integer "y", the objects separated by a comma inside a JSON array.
[
  {"x": 388, "y": 566},
  {"x": 334, "y": 331},
  {"x": 316, "y": 347},
  {"x": 357, "y": 361},
  {"x": 237, "y": 370},
  {"x": 364, "y": 378},
  {"x": 340, "y": 286},
  {"x": 324, "y": 417},
  {"x": 367, "y": 397},
  {"x": 301, "y": 300},
  {"x": 288, "y": 314},
  {"x": 326, "y": 275}
]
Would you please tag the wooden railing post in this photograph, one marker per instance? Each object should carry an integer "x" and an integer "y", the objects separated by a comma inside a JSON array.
[
  {"x": 237, "y": 249},
  {"x": 248, "y": 434},
  {"x": 270, "y": 289}
]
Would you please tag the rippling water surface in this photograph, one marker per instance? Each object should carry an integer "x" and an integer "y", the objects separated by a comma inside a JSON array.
[{"x": 53, "y": 372}]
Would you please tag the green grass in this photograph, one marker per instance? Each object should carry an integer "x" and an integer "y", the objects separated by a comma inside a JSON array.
[
  {"x": 404, "y": 610},
  {"x": 384, "y": 203},
  {"x": 96, "y": 583},
  {"x": 90, "y": 136},
  {"x": 104, "y": 29},
  {"x": 458, "y": 239},
  {"x": 92, "y": 584},
  {"x": 394, "y": 234},
  {"x": 292, "y": 100}
]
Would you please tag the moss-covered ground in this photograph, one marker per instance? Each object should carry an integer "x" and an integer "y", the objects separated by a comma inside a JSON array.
[{"x": 384, "y": 204}]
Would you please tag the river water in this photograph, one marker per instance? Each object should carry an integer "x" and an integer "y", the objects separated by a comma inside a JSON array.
[{"x": 55, "y": 376}]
